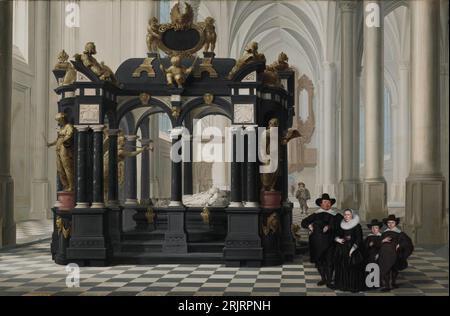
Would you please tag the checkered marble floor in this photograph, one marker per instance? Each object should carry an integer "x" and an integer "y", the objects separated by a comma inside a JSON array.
[{"x": 29, "y": 270}]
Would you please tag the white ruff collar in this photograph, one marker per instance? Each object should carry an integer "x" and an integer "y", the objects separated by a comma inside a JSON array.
[
  {"x": 352, "y": 223},
  {"x": 330, "y": 211},
  {"x": 379, "y": 234},
  {"x": 395, "y": 230}
]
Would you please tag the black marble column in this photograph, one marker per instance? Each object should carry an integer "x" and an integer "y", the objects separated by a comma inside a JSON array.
[
  {"x": 131, "y": 173},
  {"x": 112, "y": 170},
  {"x": 81, "y": 165},
  {"x": 145, "y": 173},
  {"x": 236, "y": 179},
  {"x": 244, "y": 179},
  {"x": 187, "y": 172},
  {"x": 97, "y": 179},
  {"x": 176, "y": 189},
  {"x": 252, "y": 183}
]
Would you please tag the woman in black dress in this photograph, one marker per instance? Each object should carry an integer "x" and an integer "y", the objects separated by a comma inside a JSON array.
[{"x": 348, "y": 257}]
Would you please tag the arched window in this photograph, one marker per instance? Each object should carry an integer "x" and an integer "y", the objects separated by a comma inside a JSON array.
[{"x": 20, "y": 30}]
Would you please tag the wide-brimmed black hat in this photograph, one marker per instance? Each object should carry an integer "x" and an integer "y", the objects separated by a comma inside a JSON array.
[
  {"x": 375, "y": 222},
  {"x": 391, "y": 218},
  {"x": 325, "y": 196}
]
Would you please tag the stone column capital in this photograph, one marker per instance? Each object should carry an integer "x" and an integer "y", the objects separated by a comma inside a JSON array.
[
  {"x": 82, "y": 128},
  {"x": 97, "y": 128},
  {"x": 347, "y": 6}
]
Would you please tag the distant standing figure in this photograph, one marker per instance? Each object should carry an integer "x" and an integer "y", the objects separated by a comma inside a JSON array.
[{"x": 302, "y": 195}]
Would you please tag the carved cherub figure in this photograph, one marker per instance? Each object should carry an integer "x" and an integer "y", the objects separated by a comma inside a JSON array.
[
  {"x": 176, "y": 73},
  {"x": 153, "y": 36}
]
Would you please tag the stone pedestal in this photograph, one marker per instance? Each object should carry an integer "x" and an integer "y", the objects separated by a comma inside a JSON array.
[
  {"x": 374, "y": 199},
  {"x": 243, "y": 243},
  {"x": 89, "y": 243},
  {"x": 424, "y": 214},
  {"x": 66, "y": 200},
  {"x": 175, "y": 240},
  {"x": 349, "y": 193}
]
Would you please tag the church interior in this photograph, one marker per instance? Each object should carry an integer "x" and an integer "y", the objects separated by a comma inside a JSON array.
[{"x": 365, "y": 84}]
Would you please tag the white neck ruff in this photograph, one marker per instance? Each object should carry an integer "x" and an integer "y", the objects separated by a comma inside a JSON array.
[
  {"x": 395, "y": 230},
  {"x": 350, "y": 224},
  {"x": 330, "y": 211}
]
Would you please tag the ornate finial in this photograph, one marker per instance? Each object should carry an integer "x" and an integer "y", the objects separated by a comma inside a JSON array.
[
  {"x": 62, "y": 63},
  {"x": 208, "y": 98},
  {"x": 181, "y": 21}
]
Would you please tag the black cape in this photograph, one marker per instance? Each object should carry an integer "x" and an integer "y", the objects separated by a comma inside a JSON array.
[
  {"x": 392, "y": 258},
  {"x": 349, "y": 270},
  {"x": 372, "y": 245},
  {"x": 320, "y": 242}
]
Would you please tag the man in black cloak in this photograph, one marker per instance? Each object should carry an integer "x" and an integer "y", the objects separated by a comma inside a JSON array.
[
  {"x": 322, "y": 225},
  {"x": 372, "y": 243},
  {"x": 394, "y": 251}
]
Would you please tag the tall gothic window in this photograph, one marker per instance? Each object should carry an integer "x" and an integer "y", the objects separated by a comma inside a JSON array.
[{"x": 20, "y": 30}]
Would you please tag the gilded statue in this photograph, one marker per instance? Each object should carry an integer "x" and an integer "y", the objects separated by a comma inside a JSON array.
[
  {"x": 176, "y": 73},
  {"x": 64, "y": 152},
  {"x": 250, "y": 54},
  {"x": 210, "y": 35},
  {"x": 270, "y": 76},
  {"x": 102, "y": 71},
  {"x": 122, "y": 153},
  {"x": 181, "y": 21},
  {"x": 281, "y": 63},
  {"x": 153, "y": 36},
  {"x": 269, "y": 180}
]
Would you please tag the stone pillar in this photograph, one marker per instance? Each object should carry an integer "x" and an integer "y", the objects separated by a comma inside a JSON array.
[
  {"x": 425, "y": 195},
  {"x": 176, "y": 190},
  {"x": 7, "y": 224},
  {"x": 81, "y": 165},
  {"x": 402, "y": 147},
  {"x": 145, "y": 173},
  {"x": 252, "y": 174},
  {"x": 40, "y": 185},
  {"x": 374, "y": 185},
  {"x": 113, "y": 196},
  {"x": 97, "y": 179},
  {"x": 348, "y": 185},
  {"x": 236, "y": 183},
  {"x": 131, "y": 173},
  {"x": 329, "y": 165}
]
